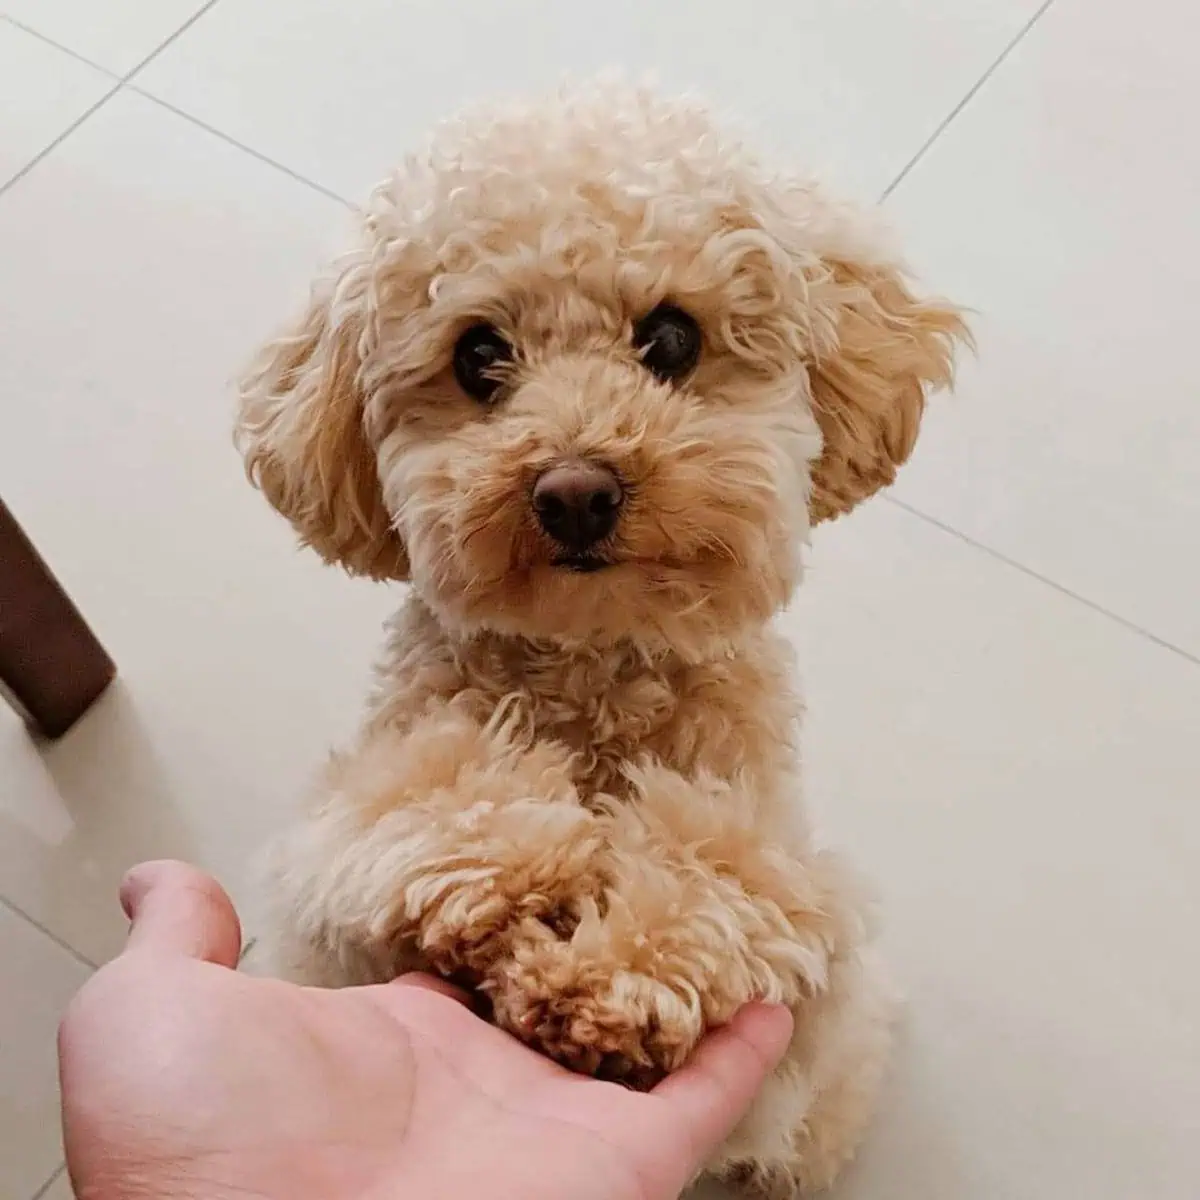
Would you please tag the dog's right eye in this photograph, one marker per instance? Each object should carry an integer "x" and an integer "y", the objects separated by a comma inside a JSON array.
[{"x": 480, "y": 355}]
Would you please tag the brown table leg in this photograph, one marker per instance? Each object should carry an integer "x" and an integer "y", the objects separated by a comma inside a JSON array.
[{"x": 51, "y": 664}]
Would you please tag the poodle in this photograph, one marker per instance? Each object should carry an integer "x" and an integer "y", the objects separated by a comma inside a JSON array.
[{"x": 586, "y": 382}]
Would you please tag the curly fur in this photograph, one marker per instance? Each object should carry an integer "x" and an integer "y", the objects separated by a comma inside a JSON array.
[{"x": 579, "y": 793}]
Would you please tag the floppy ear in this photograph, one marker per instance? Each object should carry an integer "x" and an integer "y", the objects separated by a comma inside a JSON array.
[
  {"x": 300, "y": 429},
  {"x": 869, "y": 387}
]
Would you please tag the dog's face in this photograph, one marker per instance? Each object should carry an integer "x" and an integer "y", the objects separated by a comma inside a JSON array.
[{"x": 590, "y": 376}]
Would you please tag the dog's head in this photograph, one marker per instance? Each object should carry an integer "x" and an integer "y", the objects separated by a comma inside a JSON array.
[{"x": 592, "y": 374}]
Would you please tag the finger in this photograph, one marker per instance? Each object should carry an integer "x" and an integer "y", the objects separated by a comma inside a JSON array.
[
  {"x": 176, "y": 909},
  {"x": 712, "y": 1093}
]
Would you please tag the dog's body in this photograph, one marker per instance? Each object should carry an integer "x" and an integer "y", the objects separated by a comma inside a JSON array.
[{"x": 584, "y": 384}]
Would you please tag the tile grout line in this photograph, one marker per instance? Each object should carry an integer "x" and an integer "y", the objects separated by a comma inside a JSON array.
[
  {"x": 168, "y": 41},
  {"x": 935, "y": 522},
  {"x": 46, "y": 931},
  {"x": 125, "y": 82},
  {"x": 232, "y": 141},
  {"x": 58, "y": 141},
  {"x": 949, "y": 119},
  {"x": 41, "y": 37},
  {"x": 62, "y": 1166},
  {"x": 1030, "y": 573},
  {"x": 119, "y": 81}
]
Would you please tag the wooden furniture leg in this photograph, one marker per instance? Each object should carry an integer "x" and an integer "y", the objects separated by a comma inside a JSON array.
[{"x": 51, "y": 666}]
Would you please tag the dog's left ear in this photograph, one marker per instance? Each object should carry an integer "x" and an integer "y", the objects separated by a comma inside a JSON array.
[{"x": 868, "y": 388}]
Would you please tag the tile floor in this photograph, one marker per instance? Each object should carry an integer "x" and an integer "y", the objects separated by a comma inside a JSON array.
[{"x": 1003, "y": 658}]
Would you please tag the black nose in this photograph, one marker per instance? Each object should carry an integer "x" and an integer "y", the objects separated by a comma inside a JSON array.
[{"x": 577, "y": 503}]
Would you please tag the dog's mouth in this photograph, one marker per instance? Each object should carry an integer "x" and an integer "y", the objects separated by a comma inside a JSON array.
[{"x": 581, "y": 564}]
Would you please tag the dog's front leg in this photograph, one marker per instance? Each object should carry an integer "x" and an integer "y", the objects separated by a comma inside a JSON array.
[
  {"x": 429, "y": 847},
  {"x": 701, "y": 911}
]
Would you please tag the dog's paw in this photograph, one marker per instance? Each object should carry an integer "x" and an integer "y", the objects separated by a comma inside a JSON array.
[
  {"x": 595, "y": 1018},
  {"x": 763, "y": 1181},
  {"x": 478, "y": 923}
]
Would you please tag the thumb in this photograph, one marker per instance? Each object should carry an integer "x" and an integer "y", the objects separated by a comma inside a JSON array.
[
  {"x": 712, "y": 1093},
  {"x": 176, "y": 909}
]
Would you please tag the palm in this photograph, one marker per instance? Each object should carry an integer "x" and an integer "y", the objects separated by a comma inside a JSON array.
[
  {"x": 584, "y": 1137},
  {"x": 255, "y": 1087}
]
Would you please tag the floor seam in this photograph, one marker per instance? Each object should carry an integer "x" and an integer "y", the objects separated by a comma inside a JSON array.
[
  {"x": 937, "y": 523},
  {"x": 125, "y": 82},
  {"x": 46, "y": 931},
  {"x": 58, "y": 141},
  {"x": 328, "y": 193},
  {"x": 168, "y": 40},
  {"x": 118, "y": 82},
  {"x": 975, "y": 89},
  {"x": 54, "y": 1178},
  {"x": 1030, "y": 573},
  {"x": 41, "y": 37}
]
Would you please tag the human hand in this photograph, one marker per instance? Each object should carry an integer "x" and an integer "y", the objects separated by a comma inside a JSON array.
[{"x": 183, "y": 1079}]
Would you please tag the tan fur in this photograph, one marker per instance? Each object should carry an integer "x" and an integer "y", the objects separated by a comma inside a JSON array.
[
  {"x": 869, "y": 395},
  {"x": 299, "y": 429},
  {"x": 579, "y": 793}
]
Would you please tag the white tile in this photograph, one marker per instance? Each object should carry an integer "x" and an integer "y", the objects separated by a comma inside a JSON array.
[
  {"x": 45, "y": 91},
  {"x": 1062, "y": 205},
  {"x": 114, "y": 34},
  {"x": 143, "y": 260},
  {"x": 39, "y": 979},
  {"x": 340, "y": 92},
  {"x": 1017, "y": 774}
]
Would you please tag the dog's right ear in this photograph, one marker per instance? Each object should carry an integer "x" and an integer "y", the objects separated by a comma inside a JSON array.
[{"x": 300, "y": 430}]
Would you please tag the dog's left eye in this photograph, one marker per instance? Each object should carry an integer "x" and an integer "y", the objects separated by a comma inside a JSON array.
[
  {"x": 478, "y": 355},
  {"x": 669, "y": 340}
]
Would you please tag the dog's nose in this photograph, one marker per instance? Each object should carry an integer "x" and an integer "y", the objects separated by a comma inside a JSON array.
[{"x": 577, "y": 503}]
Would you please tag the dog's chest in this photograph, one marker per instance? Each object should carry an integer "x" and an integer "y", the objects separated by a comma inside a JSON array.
[
  {"x": 608, "y": 716},
  {"x": 733, "y": 715},
  {"x": 724, "y": 717}
]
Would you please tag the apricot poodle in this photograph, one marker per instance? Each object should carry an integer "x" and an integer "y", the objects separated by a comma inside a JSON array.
[{"x": 585, "y": 383}]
